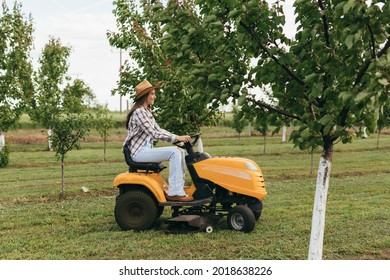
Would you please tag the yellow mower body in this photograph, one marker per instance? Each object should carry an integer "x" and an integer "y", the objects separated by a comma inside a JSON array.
[{"x": 237, "y": 175}]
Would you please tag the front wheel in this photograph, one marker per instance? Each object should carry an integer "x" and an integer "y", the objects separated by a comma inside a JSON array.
[
  {"x": 256, "y": 209},
  {"x": 241, "y": 218},
  {"x": 136, "y": 210}
]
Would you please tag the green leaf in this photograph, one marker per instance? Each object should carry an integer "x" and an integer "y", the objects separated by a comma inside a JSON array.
[
  {"x": 234, "y": 13},
  {"x": 210, "y": 18},
  {"x": 213, "y": 77},
  {"x": 197, "y": 71},
  {"x": 225, "y": 91},
  {"x": 166, "y": 37},
  {"x": 217, "y": 24},
  {"x": 349, "y": 41},
  {"x": 157, "y": 6},
  {"x": 384, "y": 82},
  {"x": 349, "y": 5},
  {"x": 325, "y": 119},
  {"x": 191, "y": 31},
  {"x": 362, "y": 96},
  {"x": 310, "y": 77},
  {"x": 242, "y": 100},
  {"x": 196, "y": 96},
  {"x": 345, "y": 97},
  {"x": 236, "y": 88}
]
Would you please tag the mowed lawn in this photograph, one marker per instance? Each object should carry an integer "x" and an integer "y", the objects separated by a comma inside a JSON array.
[{"x": 36, "y": 224}]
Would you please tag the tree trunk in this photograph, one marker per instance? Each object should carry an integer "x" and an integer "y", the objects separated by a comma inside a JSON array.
[
  {"x": 49, "y": 142},
  {"x": 62, "y": 178},
  {"x": 319, "y": 209},
  {"x": 264, "y": 142},
  {"x": 284, "y": 134},
  {"x": 105, "y": 147},
  {"x": 2, "y": 140},
  {"x": 365, "y": 136},
  {"x": 311, "y": 161},
  {"x": 377, "y": 140},
  {"x": 249, "y": 129}
]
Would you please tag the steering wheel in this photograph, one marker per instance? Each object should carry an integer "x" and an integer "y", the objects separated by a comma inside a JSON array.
[{"x": 183, "y": 145}]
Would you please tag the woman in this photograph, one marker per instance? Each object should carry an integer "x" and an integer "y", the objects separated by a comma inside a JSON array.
[{"x": 143, "y": 130}]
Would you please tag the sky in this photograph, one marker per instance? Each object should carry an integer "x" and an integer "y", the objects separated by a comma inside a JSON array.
[{"x": 82, "y": 25}]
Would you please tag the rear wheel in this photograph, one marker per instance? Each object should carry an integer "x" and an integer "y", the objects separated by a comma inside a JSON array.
[
  {"x": 241, "y": 218},
  {"x": 136, "y": 210}
]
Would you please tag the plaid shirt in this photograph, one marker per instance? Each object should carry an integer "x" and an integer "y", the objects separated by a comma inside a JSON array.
[{"x": 143, "y": 128}]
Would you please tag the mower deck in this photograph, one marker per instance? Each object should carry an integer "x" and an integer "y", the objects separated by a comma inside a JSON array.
[
  {"x": 187, "y": 222},
  {"x": 190, "y": 224}
]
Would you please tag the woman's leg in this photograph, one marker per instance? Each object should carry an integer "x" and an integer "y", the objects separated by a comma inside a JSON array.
[{"x": 175, "y": 156}]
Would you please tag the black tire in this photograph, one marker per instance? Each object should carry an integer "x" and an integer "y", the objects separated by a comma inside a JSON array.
[
  {"x": 256, "y": 208},
  {"x": 241, "y": 218},
  {"x": 136, "y": 210},
  {"x": 257, "y": 215}
]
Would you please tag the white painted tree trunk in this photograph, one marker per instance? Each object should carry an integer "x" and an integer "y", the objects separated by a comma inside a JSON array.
[
  {"x": 284, "y": 134},
  {"x": 365, "y": 136},
  {"x": 49, "y": 142},
  {"x": 250, "y": 129},
  {"x": 319, "y": 209},
  {"x": 2, "y": 140}
]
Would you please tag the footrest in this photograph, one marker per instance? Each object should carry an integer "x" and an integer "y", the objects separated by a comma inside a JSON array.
[{"x": 187, "y": 203}]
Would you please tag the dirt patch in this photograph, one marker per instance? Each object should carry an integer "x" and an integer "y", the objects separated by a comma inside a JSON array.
[{"x": 28, "y": 139}]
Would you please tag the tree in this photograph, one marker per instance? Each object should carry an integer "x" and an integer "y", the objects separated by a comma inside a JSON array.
[
  {"x": 49, "y": 80},
  {"x": 55, "y": 93},
  {"x": 15, "y": 66},
  {"x": 238, "y": 123},
  {"x": 76, "y": 96},
  {"x": 179, "y": 107},
  {"x": 66, "y": 134},
  {"x": 103, "y": 122},
  {"x": 327, "y": 79}
]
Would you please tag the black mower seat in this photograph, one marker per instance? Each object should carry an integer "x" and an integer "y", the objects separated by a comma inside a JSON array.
[{"x": 144, "y": 166}]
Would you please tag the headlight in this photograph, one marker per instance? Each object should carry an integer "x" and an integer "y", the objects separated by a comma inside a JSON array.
[{"x": 251, "y": 166}]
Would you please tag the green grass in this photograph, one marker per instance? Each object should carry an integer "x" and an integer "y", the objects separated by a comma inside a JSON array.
[{"x": 36, "y": 224}]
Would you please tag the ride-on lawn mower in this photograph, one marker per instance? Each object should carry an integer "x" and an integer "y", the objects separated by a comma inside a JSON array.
[{"x": 222, "y": 186}]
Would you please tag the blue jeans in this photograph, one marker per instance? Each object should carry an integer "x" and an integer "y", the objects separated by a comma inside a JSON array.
[{"x": 175, "y": 155}]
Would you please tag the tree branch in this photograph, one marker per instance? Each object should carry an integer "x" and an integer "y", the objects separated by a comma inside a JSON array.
[
  {"x": 324, "y": 23},
  {"x": 274, "y": 109},
  {"x": 274, "y": 58},
  {"x": 365, "y": 65},
  {"x": 373, "y": 49}
]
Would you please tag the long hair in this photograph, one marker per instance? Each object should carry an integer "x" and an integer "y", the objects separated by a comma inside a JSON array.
[{"x": 138, "y": 104}]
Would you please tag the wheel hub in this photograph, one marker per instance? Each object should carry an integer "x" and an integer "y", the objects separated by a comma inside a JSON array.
[{"x": 237, "y": 221}]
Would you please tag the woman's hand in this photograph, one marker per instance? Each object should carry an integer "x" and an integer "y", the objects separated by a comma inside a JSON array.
[{"x": 183, "y": 138}]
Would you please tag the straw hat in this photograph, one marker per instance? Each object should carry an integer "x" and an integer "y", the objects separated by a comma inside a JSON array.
[{"x": 143, "y": 88}]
